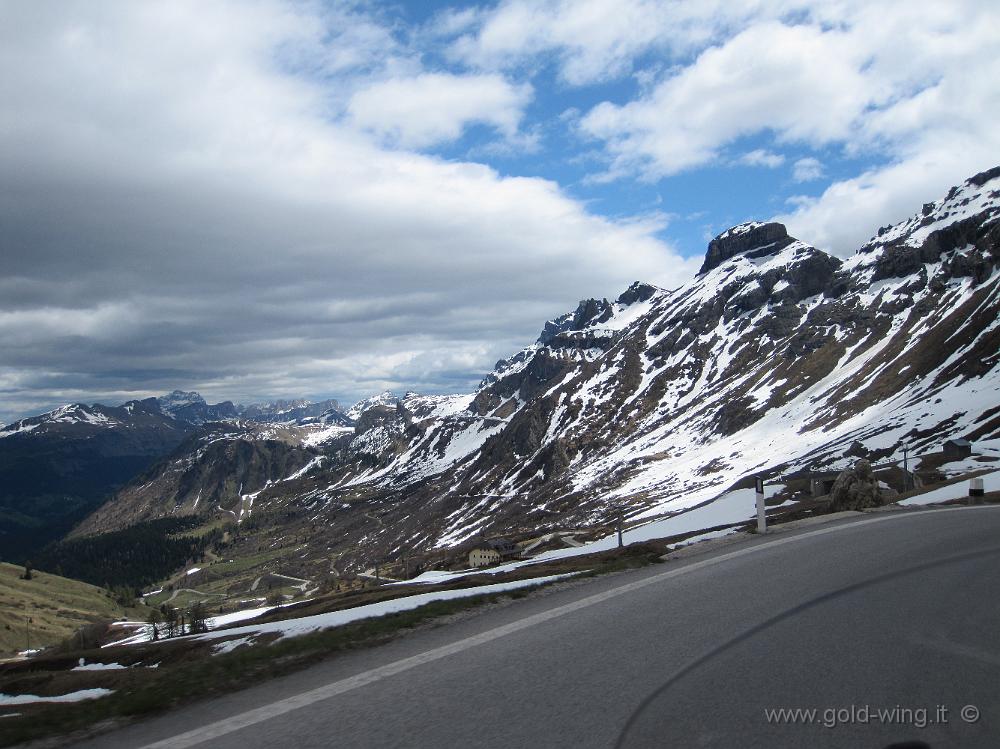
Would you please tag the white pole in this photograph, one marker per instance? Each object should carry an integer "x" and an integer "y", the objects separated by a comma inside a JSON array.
[
  {"x": 761, "y": 516},
  {"x": 976, "y": 491}
]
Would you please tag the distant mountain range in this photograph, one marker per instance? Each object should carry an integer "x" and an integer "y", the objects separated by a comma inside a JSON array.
[
  {"x": 776, "y": 357},
  {"x": 192, "y": 408},
  {"x": 58, "y": 467}
]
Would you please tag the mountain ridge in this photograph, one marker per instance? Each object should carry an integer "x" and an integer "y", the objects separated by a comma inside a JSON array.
[{"x": 776, "y": 357}]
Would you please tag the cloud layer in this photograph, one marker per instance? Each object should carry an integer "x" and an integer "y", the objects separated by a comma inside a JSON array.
[
  {"x": 185, "y": 203},
  {"x": 270, "y": 198}
]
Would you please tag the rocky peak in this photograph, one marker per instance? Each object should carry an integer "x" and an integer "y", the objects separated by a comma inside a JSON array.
[
  {"x": 590, "y": 310},
  {"x": 375, "y": 416},
  {"x": 146, "y": 405},
  {"x": 962, "y": 230},
  {"x": 179, "y": 398},
  {"x": 637, "y": 292},
  {"x": 983, "y": 177},
  {"x": 975, "y": 199},
  {"x": 753, "y": 239},
  {"x": 587, "y": 311},
  {"x": 386, "y": 398}
]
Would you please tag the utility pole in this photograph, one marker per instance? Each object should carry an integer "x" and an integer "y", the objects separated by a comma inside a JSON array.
[
  {"x": 619, "y": 524},
  {"x": 27, "y": 633},
  {"x": 906, "y": 468}
]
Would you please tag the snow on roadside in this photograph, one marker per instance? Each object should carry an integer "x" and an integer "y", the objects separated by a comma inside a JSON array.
[
  {"x": 237, "y": 616},
  {"x": 230, "y": 645},
  {"x": 959, "y": 490},
  {"x": 97, "y": 666},
  {"x": 83, "y": 694},
  {"x": 316, "y": 622},
  {"x": 295, "y": 627},
  {"x": 143, "y": 633},
  {"x": 710, "y": 535}
]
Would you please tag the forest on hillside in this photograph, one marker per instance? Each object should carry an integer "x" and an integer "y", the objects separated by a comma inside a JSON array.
[{"x": 134, "y": 557}]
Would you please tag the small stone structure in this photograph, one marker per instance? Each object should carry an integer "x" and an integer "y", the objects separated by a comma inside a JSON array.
[{"x": 821, "y": 483}]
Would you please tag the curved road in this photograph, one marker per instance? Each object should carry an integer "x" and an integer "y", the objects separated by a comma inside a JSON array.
[{"x": 887, "y": 628}]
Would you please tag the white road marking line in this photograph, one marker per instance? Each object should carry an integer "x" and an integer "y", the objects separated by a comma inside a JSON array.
[{"x": 267, "y": 712}]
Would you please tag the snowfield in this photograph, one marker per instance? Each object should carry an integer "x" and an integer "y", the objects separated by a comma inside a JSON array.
[
  {"x": 960, "y": 490},
  {"x": 79, "y": 696}
]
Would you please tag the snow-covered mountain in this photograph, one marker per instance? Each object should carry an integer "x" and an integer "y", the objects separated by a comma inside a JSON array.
[
  {"x": 192, "y": 408},
  {"x": 57, "y": 467},
  {"x": 214, "y": 465},
  {"x": 775, "y": 357},
  {"x": 383, "y": 399},
  {"x": 79, "y": 418},
  {"x": 290, "y": 411}
]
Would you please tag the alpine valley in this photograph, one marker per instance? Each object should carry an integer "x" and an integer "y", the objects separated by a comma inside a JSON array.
[{"x": 776, "y": 358}]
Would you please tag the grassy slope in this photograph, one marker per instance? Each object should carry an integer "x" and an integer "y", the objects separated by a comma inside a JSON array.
[{"x": 56, "y": 605}]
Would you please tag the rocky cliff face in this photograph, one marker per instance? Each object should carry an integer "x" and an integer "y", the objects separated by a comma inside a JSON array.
[
  {"x": 776, "y": 357},
  {"x": 220, "y": 469},
  {"x": 752, "y": 240}
]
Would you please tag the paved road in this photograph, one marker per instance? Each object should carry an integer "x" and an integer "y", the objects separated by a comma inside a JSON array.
[{"x": 897, "y": 611}]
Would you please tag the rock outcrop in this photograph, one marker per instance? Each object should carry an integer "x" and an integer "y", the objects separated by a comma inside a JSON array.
[
  {"x": 856, "y": 489},
  {"x": 752, "y": 239}
]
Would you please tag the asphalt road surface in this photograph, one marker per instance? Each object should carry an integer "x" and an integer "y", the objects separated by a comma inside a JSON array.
[{"x": 888, "y": 628}]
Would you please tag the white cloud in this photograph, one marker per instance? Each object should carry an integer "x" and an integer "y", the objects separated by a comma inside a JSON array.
[
  {"x": 803, "y": 83},
  {"x": 911, "y": 85},
  {"x": 943, "y": 62},
  {"x": 453, "y": 21},
  {"x": 761, "y": 157},
  {"x": 807, "y": 169},
  {"x": 200, "y": 194},
  {"x": 432, "y": 108},
  {"x": 596, "y": 40},
  {"x": 177, "y": 189}
]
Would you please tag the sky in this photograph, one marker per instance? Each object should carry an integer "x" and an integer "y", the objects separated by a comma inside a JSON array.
[{"x": 263, "y": 199}]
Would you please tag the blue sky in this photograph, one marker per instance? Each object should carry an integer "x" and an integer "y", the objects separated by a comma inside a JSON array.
[
  {"x": 696, "y": 205},
  {"x": 327, "y": 199}
]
